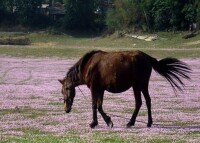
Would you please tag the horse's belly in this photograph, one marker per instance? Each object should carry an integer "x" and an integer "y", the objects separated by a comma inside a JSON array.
[
  {"x": 118, "y": 86},
  {"x": 117, "y": 90},
  {"x": 116, "y": 75}
]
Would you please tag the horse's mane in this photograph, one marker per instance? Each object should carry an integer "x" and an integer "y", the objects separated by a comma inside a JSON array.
[{"x": 78, "y": 67}]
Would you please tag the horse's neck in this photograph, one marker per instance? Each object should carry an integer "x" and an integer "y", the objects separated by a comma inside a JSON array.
[
  {"x": 75, "y": 76},
  {"x": 77, "y": 83},
  {"x": 76, "y": 80}
]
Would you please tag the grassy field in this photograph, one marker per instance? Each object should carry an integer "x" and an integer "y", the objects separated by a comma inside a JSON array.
[
  {"x": 31, "y": 110},
  {"x": 73, "y": 45}
]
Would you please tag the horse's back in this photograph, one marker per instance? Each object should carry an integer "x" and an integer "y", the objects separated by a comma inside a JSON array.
[
  {"x": 129, "y": 63},
  {"x": 118, "y": 71}
]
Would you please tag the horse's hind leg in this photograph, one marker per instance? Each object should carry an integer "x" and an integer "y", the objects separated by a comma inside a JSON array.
[
  {"x": 148, "y": 103},
  {"x": 106, "y": 118},
  {"x": 138, "y": 104}
]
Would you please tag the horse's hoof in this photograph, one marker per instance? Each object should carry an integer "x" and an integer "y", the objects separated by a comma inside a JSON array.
[
  {"x": 93, "y": 124},
  {"x": 110, "y": 124},
  {"x": 129, "y": 125},
  {"x": 149, "y": 125}
]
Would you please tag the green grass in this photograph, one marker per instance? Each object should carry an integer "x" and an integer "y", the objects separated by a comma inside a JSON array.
[
  {"x": 45, "y": 45},
  {"x": 165, "y": 140},
  {"x": 35, "y": 139},
  {"x": 55, "y": 103},
  {"x": 73, "y": 136},
  {"x": 26, "y": 111},
  {"x": 65, "y": 46},
  {"x": 32, "y": 131},
  {"x": 77, "y": 52},
  {"x": 194, "y": 133},
  {"x": 188, "y": 110}
]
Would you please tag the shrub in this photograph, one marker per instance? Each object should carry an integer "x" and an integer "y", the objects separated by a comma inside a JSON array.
[
  {"x": 125, "y": 15},
  {"x": 15, "y": 41},
  {"x": 79, "y": 14}
]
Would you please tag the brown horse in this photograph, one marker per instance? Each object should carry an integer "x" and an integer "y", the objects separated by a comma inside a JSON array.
[{"x": 116, "y": 72}]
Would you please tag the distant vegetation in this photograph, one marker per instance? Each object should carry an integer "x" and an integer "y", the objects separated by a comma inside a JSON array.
[
  {"x": 48, "y": 44},
  {"x": 14, "y": 38},
  {"x": 69, "y": 27},
  {"x": 98, "y": 15}
]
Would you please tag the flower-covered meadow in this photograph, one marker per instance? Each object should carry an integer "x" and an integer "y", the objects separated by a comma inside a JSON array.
[{"x": 31, "y": 107}]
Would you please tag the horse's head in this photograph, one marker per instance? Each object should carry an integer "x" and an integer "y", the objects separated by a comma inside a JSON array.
[{"x": 68, "y": 91}]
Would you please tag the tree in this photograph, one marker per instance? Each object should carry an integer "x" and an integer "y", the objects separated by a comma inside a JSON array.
[
  {"x": 6, "y": 10},
  {"x": 126, "y": 14},
  {"x": 79, "y": 14},
  {"x": 146, "y": 7},
  {"x": 167, "y": 15},
  {"x": 147, "y": 15},
  {"x": 161, "y": 13},
  {"x": 28, "y": 11},
  {"x": 198, "y": 13},
  {"x": 2, "y": 11}
]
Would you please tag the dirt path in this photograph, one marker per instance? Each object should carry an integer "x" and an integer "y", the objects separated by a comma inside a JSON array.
[{"x": 30, "y": 93}]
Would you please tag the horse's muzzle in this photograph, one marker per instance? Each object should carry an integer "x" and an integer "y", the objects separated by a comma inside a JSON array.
[
  {"x": 68, "y": 110},
  {"x": 67, "y": 107}
]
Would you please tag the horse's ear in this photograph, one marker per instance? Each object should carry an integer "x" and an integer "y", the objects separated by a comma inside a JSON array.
[{"x": 61, "y": 81}]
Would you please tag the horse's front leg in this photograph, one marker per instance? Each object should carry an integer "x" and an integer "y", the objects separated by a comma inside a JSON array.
[
  {"x": 94, "y": 110},
  {"x": 106, "y": 118}
]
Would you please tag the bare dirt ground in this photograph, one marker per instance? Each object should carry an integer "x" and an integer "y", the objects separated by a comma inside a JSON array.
[{"x": 30, "y": 98}]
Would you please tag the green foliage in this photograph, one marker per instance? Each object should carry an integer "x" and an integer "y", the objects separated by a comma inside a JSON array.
[
  {"x": 146, "y": 15},
  {"x": 15, "y": 41},
  {"x": 6, "y": 7},
  {"x": 166, "y": 14},
  {"x": 153, "y": 14},
  {"x": 126, "y": 14},
  {"x": 198, "y": 12},
  {"x": 79, "y": 14},
  {"x": 190, "y": 12},
  {"x": 28, "y": 13}
]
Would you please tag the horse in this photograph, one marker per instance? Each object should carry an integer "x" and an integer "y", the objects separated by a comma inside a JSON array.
[{"x": 116, "y": 72}]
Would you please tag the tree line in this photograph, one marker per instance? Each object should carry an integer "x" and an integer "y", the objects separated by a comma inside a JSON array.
[{"x": 112, "y": 15}]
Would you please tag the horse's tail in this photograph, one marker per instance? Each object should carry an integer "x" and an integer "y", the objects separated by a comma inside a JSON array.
[{"x": 173, "y": 70}]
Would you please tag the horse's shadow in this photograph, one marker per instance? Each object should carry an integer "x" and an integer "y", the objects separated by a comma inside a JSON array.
[
  {"x": 156, "y": 126},
  {"x": 176, "y": 126}
]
